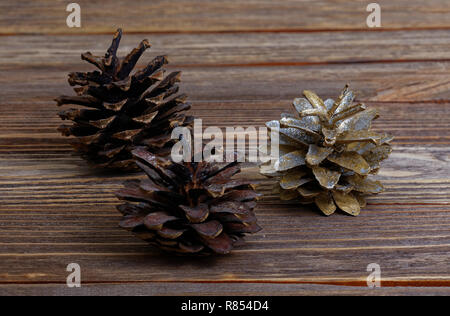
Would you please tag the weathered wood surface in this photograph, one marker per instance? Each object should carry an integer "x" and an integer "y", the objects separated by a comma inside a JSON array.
[
  {"x": 181, "y": 16},
  {"x": 55, "y": 210},
  {"x": 220, "y": 289},
  {"x": 237, "y": 49}
]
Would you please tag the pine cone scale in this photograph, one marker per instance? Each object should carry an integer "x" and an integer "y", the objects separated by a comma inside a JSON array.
[
  {"x": 351, "y": 161},
  {"x": 196, "y": 214},
  {"x": 316, "y": 154},
  {"x": 325, "y": 203},
  {"x": 347, "y": 202},
  {"x": 326, "y": 178},
  {"x": 156, "y": 220}
]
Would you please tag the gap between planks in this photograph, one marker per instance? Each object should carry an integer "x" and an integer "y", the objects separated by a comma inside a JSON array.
[{"x": 415, "y": 281}]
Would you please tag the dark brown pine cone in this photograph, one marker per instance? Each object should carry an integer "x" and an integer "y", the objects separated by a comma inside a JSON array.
[
  {"x": 121, "y": 110},
  {"x": 328, "y": 152},
  {"x": 188, "y": 208}
]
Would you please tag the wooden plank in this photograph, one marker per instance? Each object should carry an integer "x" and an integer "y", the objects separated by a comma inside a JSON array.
[
  {"x": 246, "y": 49},
  {"x": 267, "y": 258},
  {"x": 221, "y": 289},
  {"x": 407, "y": 82},
  {"x": 415, "y": 75},
  {"x": 38, "y": 184},
  {"x": 412, "y": 123},
  {"x": 217, "y": 16},
  {"x": 407, "y": 181}
]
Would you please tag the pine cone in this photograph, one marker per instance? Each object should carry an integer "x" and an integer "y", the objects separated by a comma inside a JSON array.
[
  {"x": 188, "y": 208},
  {"x": 124, "y": 110},
  {"x": 327, "y": 153}
]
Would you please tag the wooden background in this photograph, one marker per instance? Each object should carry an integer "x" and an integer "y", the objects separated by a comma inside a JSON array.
[{"x": 243, "y": 62}]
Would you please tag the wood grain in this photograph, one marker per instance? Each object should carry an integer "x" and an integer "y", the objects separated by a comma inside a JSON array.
[
  {"x": 427, "y": 81},
  {"x": 242, "y": 64},
  {"x": 280, "y": 70},
  {"x": 236, "y": 49},
  {"x": 412, "y": 123},
  {"x": 221, "y": 289},
  {"x": 281, "y": 253},
  {"x": 183, "y": 16},
  {"x": 225, "y": 289}
]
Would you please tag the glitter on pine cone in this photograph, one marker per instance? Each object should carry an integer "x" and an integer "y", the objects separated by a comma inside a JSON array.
[
  {"x": 189, "y": 207},
  {"x": 327, "y": 153},
  {"x": 118, "y": 110}
]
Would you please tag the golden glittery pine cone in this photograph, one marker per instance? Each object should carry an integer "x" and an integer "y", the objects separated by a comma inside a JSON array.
[{"x": 327, "y": 153}]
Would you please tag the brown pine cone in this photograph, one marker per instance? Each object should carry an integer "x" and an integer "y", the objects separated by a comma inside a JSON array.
[
  {"x": 122, "y": 110},
  {"x": 327, "y": 152},
  {"x": 188, "y": 208}
]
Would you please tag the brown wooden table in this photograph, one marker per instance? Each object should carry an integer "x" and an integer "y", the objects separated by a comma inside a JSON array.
[{"x": 243, "y": 62}]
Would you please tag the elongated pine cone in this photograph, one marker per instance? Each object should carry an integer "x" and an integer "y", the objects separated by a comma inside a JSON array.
[
  {"x": 327, "y": 153},
  {"x": 188, "y": 208},
  {"x": 120, "y": 110}
]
